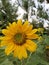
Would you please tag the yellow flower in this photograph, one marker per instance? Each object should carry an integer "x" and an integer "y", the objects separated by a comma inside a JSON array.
[
  {"x": 40, "y": 30},
  {"x": 18, "y": 39},
  {"x": 40, "y": 39},
  {"x": 47, "y": 47}
]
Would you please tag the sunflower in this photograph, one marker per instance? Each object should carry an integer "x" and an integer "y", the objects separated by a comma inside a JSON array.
[{"x": 18, "y": 39}]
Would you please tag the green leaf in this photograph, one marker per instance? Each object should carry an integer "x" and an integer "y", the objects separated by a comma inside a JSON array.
[
  {"x": 35, "y": 59},
  {"x": 47, "y": 40},
  {"x": 6, "y": 62},
  {"x": 2, "y": 56}
]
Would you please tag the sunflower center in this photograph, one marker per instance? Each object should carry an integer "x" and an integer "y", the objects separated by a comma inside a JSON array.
[{"x": 19, "y": 38}]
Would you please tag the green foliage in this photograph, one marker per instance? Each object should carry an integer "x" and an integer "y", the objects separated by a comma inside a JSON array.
[
  {"x": 2, "y": 56},
  {"x": 7, "y": 7},
  {"x": 41, "y": 13},
  {"x": 25, "y": 4},
  {"x": 41, "y": 1},
  {"x": 7, "y": 13},
  {"x": 37, "y": 25},
  {"x": 46, "y": 40},
  {"x": 41, "y": 56},
  {"x": 6, "y": 62},
  {"x": 36, "y": 60}
]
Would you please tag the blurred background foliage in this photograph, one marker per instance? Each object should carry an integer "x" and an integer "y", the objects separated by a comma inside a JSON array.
[{"x": 8, "y": 13}]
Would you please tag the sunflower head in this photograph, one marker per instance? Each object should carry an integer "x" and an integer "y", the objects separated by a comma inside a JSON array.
[{"x": 18, "y": 39}]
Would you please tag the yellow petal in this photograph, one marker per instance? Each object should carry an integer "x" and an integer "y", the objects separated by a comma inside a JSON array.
[
  {"x": 7, "y": 32},
  {"x": 4, "y": 43},
  {"x": 19, "y": 22},
  {"x": 10, "y": 24},
  {"x": 19, "y": 25},
  {"x": 31, "y": 46},
  {"x": 32, "y": 32},
  {"x": 20, "y": 55},
  {"x": 13, "y": 25},
  {"x": 24, "y": 53},
  {"x": 9, "y": 48},
  {"x": 5, "y": 38},
  {"x": 25, "y": 26},
  {"x": 20, "y": 52},
  {"x": 12, "y": 28},
  {"x": 15, "y": 53},
  {"x": 28, "y": 29},
  {"x": 33, "y": 36},
  {"x": 26, "y": 23}
]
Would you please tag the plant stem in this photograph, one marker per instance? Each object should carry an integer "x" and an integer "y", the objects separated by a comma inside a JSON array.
[
  {"x": 28, "y": 58},
  {"x": 21, "y": 62}
]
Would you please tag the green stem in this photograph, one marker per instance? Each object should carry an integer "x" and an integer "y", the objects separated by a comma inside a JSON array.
[
  {"x": 28, "y": 58},
  {"x": 21, "y": 62}
]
